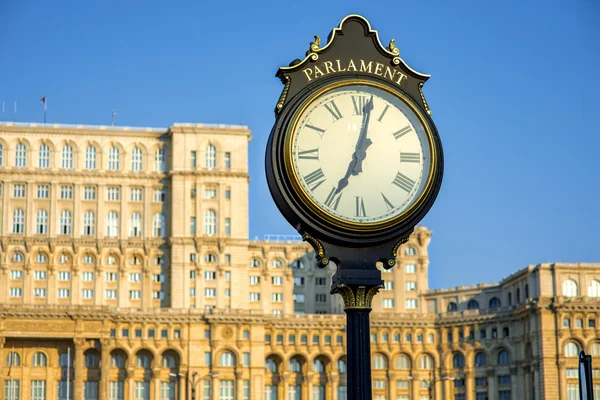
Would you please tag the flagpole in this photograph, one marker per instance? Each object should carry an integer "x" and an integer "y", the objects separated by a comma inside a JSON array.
[{"x": 68, "y": 369}]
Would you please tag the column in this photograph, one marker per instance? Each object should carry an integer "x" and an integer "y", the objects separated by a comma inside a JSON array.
[
  {"x": 562, "y": 380},
  {"x": 130, "y": 389},
  {"x": 155, "y": 387},
  {"x": 492, "y": 394},
  {"x": 527, "y": 382},
  {"x": 516, "y": 388},
  {"x": 334, "y": 379},
  {"x": 284, "y": 381},
  {"x": 78, "y": 367},
  {"x": 415, "y": 388},
  {"x": 181, "y": 386},
  {"x": 470, "y": 384},
  {"x": 104, "y": 370},
  {"x": 447, "y": 389}
]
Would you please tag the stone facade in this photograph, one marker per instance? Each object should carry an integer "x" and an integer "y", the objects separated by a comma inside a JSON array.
[{"x": 126, "y": 272}]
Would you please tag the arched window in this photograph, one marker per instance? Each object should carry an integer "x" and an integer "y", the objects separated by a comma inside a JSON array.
[
  {"x": 142, "y": 361},
  {"x": 135, "y": 225},
  {"x": 64, "y": 258},
  {"x": 227, "y": 359},
  {"x": 159, "y": 160},
  {"x": 39, "y": 360},
  {"x": 65, "y": 222},
  {"x": 472, "y": 304},
  {"x": 569, "y": 288},
  {"x": 114, "y": 158},
  {"x": 17, "y": 257},
  {"x": 342, "y": 367},
  {"x": 495, "y": 303},
  {"x": 89, "y": 259},
  {"x": 452, "y": 306},
  {"x": 210, "y": 222},
  {"x": 13, "y": 359},
  {"x": 92, "y": 360},
  {"x": 318, "y": 366},
  {"x": 595, "y": 349},
  {"x": 89, "y": 223},
  {"x": 67, "y": 157},
  {"x": 90, "y": 157},
  {"x": 210, "y": 258},
  {"x": 158, "y": 225},
  {"x": 117, "y": 361},
  {"x": 136, "y": 159},
  {"x": 480, "y": 359},
  {"x": 503, "y": 357},
  {"x": 110, "y": 260},
  {"x": 571, "y": 350},
  {"x": 379, "y": 362},
  {"x": 276, "y": 263},
  {"x": 458, "y": 361},
  {"x": 254, "y": 263},
  {"x": 168, "y": 361},
  {"x": 64, "y": 361},
  {"x": 410, "y": 251},
  {"x": 112, "y": 224},
  {"x": 271, "y": 365},
  {"x": 297, "y": 264},
  {"x": 41, "y": 258},
  {"x": 21, "y": 155},
  {"x": 402, "y": 362},
  {"x": 211, "y": 156},
  {"x": 594, "y": 289},
  {"x": 44, "y": 156},
  {"x": 425, "y": 362},
  {"x": 18, "y": 221},
  {"x": 294, "y": 365},
  {"x": 41, "y": 222}
]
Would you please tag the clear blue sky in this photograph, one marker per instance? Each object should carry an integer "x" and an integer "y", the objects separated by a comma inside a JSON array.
[{"x": 514, "y": 93}]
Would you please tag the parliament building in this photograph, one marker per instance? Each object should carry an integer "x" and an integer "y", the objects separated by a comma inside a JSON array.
[{"x": 127, "y": 273}]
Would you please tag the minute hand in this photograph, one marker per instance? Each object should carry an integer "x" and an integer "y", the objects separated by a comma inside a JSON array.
[{"x": 363, "y": 141}]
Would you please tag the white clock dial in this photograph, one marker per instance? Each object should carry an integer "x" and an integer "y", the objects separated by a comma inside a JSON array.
[{"x": 361, "y": 154}]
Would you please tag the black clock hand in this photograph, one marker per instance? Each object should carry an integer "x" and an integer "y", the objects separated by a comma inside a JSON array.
[{"x": 363, "y": 142}]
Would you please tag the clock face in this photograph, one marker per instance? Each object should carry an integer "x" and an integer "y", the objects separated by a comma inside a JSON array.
[{"x": 361, "y": 154}]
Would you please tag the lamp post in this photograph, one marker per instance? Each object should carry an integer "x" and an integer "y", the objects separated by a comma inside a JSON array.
[{"x": 193, "y": 382}]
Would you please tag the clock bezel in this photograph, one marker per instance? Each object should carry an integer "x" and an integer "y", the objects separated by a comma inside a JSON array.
[{"x": 291, "y": 131}]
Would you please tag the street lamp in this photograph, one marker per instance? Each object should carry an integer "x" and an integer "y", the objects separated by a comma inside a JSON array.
[
  {"x": 193, "y": 381},
  {"x": 432, "y": 382}
]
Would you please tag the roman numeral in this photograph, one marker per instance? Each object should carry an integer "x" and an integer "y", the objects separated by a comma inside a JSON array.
[
  {"x": 410, "y": 157},
  {"x": 315, "y": 178},
  {"x": 312, "y": 154},
  {"x": 404, "y": 182},
  {"x": 383, "y": 112},
  {"x": 318, "y": 130},
  {"x": 334, "y": 110},
  {"x": 387, "y": 202},
  {"x": 401, "y": 132},
  {"x": 360, "y": 207},
  {"x": 333, "y": 200},
  {"x": 359, "y": 104}
]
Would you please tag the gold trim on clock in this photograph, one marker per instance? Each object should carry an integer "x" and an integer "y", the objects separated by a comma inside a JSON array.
[{"x": 306, "y": 199}]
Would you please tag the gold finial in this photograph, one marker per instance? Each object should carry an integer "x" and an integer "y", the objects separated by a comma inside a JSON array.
[
  {"x": 392, "y": 47},
  {"x": 314, "y": 46}
]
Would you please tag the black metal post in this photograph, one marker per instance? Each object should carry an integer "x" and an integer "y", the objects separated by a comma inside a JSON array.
[
  {"x": 357, "y": 305},
  {"x": 586, "y": 387}
]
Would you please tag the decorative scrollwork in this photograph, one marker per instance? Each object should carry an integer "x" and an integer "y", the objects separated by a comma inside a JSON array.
[
  {"x": 392, "y": 48},
  {"x": 319, "y": 250},
  {"x": 356, "y": 297},
  {"x": 423, "y": 98},
  {"x": 397, "y": 246},
  {"x": 314, "y": 46},
  {"x": 283, "y": 94}
]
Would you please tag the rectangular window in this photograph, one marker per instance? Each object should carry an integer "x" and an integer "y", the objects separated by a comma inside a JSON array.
[
  {"x": 38, "y": 390},
  {"x": 388, "y": 285},
  {"x": 343, "y": 393},
  {"x": 227, "y": 160},
  {"x": 39, "y": 275},
  {"x": 159, "y": 196},
  {"x": 277, "y": 297},
  {"x": 112, "y": 194},
  {"x": 482, "y": 333},
  {"x": 254, "y": 296},
  {"x": 14, "y": 274},
  {"x": 505, "y": 395},
  {"x": 42, "y": 191},
  {"x": 246, "y": 359},
  {"x": 321, "y": 298},
  {"x": 193, "y": 159},
  {"x": 277, "y": 280},
  {"x": 411, "y": 286},
  {"x": 503, "y": 380},
  {"x": 111, "y": 276},
  {"x": 321, "y": 281},
  {"x": 210, "y": 275},
  {"x": 572, "y": 373},
  {"x": 299, "y": 297},
  {"x": 192, "y": 225},
  {"x": 298, "y": 281},
  {"x": 410, "y": 268},
  {"x": 62, "y": 390},
  {"x": 270, "y": 392},
  {"x": 39, "y": 292},
  {"x": 110, "y": 294},
  {"x": 135, "y": 294},
  {"x": 227, "y": 226},
  {"x": 167, "y": 390},
  {"x": 19, "y": 191},
  {"x": 210, "y": 292},
  {"x": 206, "y": 391},
  {"x": 87, "y": 276},
  {"x": 228, "y": 194},
  {"x": 89, "y": 193},
  {"x": 411, "y": 304},
  {"x": 136, "y": 194},
  {"x": 579, "y": 323},
  {"x": 591, "y": 323},
  {"x": 378, "y": 384},
  {"x": 207, "y": 358},
  {"x": 387, "y": 303},
  {"x": 135, "y": 277},
  {"x": 142, "y": 391},
  {"x": 116, "y": 390},
  {"x": 66, "y": 192},
  {"x": 481, "y": 381},
  {"x": 64, "y": 293},
  {"x": 193, "y": 292},
  {"x": 402, "y": 384},
  {"x": 210, "y": 194},
  {"x": 87, "y": 294},
  {"x": 90, "y": 390},
  {"x": 192, "y": 274},
  {"x": 318, "y": 393},
  {"x": 16, "y": 292}
]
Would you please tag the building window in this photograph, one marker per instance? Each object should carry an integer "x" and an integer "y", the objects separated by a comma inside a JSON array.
[
  {"x": 193, "y": 159},
  {"x": 44, "y": 159},
  {"x": 159, "y": 196},
  {"x": 495, "y": 303},
  {"x": 89, "y": 193},
  {"x": 571, "y": 350},
  {"x": 42, "y": 191},
  {"x": 388, "y": 303},
  {"x": 227, "y": 226},
  {"x": 16, "y": 292},
  {"x": 193, "y": 225},
  {"x": 210, "y": 222},
  {"x": 410, "y": 268},
  {"x": 89, "y": 223},
  {"x": 210, "y": 275},
  {"x": 228, "y": 194},
  {"x": 411, "y": 304},
  {"x": 210, "y": 292},
  {"x": 66, "y": 192},
  {"x": 20, "y": 156},
  {"x": 569, "y": 288},
  {"x": 410, "y": 251},
  {"x": 142, "y": 391},
  {"x": 18, "y": 221},
  {"x": 114, "y": 159},
  {"x": 87, "y": 294},
  {"x": 277, "y": 297},
  {"x": 210, "y": 194},
  {"x": 90, "y": 157},
  {"x": 159, "y": 160},
  {"x": 112, "y": 194},
  {"x": 410, "y": 286},
  {"x": 228, "y": 160},
  {"x": 66, "y": 221},
  {"x": 572, "y": 391},
  {"x": 19, "y": 191},
  {"x": 473, "y": 304},
  {"x": 67, "y": 157},
  {"x": 452, "y": 306},
  {"x": 136, "y": 194},
  {"x": 321, "y": 298},
  {"x": 211, "y": 156},
  {"x": 254, "y": 296},
  {"x": 136, "y": 159},
  {"x": 38, "y": 390},
  {"x": 158, "y": 225},
  {"x": 379, "y": 362},
  {"x": 112, "y": 224},
  {"x": 276, "y": 264},
  {"x": 277, "y": 280},
  {"x": 594, "y": 288},
  {"x": 41, "y": 227},
  {"x": 135, "y": 225}
]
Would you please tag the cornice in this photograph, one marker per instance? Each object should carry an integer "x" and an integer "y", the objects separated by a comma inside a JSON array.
[
  {"x": 213, "y": 173},
  {"x": 95, "y": 176}
]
